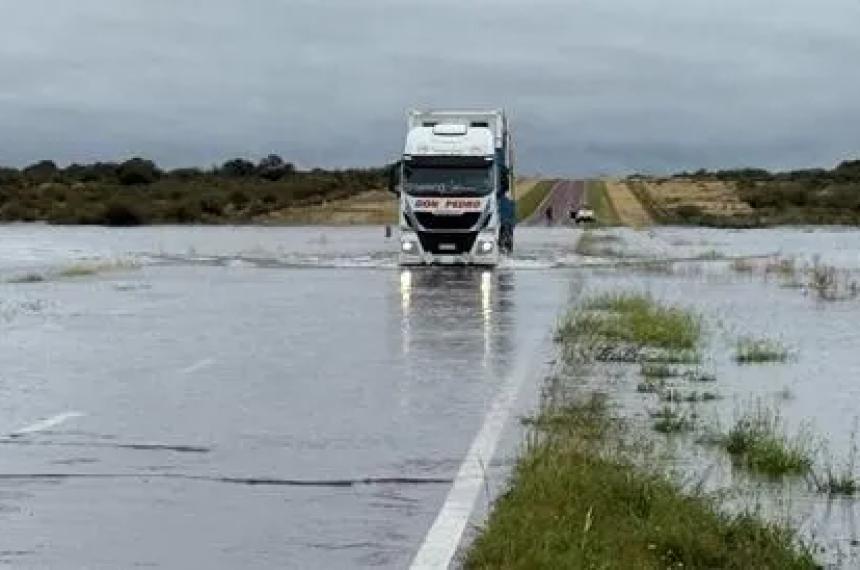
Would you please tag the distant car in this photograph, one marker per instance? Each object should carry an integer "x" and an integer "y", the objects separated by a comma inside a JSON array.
[{"x": 583, "y": 215}]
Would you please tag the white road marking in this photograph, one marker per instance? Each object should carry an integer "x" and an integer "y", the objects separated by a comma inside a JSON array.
[
  {"x": 206, "y": 362},
  {"x": 440, "y": 544},
  {"x": 47, "y": 423}
]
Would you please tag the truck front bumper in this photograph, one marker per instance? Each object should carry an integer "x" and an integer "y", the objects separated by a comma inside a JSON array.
[
  {"x": 454, "y": 259},
  {"x": 414, "y": 254}
]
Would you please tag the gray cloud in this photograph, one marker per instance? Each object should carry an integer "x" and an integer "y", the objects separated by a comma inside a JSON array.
[{"x": 592, "y": 86}]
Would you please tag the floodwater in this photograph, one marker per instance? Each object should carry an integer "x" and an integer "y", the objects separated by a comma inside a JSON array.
[
  {"x": 229, "y": 397},
  {"x": 815, "y": 392},
  {"x": 196, "y": 397}
]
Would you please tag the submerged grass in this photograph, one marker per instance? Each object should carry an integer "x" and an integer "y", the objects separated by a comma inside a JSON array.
[
  {"x": 751, "y": 350},
  {"x": 658, "y": 370},
  {"x": 30, "y": 277},
  {"x": 669, "y": 419},
  {"x": 758, "y": 441},
  {"x": 838, "y": 482},
  {"x": 579, "y": 500},
  {"x": 593, "y": 244},
  {"x": 75, "y": 270}
]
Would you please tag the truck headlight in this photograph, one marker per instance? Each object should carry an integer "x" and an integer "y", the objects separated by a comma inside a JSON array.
[
  {"x": 485, "y": 246},
  {"x": 407, "y": 246}
]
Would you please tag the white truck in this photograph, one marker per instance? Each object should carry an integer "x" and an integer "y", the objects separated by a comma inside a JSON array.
[{"x": 455, "y": 187}]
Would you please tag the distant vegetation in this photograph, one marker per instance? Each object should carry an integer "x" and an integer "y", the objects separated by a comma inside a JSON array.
[
  {"x": 809, "y": 196},
  {"x": 138, "y": 192},
  {"x": 531, "y": 200}
]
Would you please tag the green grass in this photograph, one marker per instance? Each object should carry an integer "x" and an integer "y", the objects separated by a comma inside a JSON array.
[
  {"x": 750, "y": 350},
  {"x": 699, "y": 376},
  {"x": 598, "y": 201},
  {"x": 529, "y": 202},
  {"x": 677, "y": 396},
  {"x": 658, "y": 370},
  {"x": 650, "y": 386},
  {"x": 758, "y": 441},
  {"x": 577, "y": 500},
  {"x": 669, "y": 420},
  {"x": 632, "y": 319}
]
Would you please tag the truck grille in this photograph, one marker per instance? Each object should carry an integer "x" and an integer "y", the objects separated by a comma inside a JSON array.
[
  {"x": 448, "y": 243},
  {"x": 464, "y": 221}
]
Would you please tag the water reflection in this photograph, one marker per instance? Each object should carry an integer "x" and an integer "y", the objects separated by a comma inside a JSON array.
[{"x": 462, "y": 313}]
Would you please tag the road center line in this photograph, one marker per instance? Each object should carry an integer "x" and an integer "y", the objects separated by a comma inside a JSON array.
[
  {"x": 440, "y": 544},
  {"x": 47, "y": 423}
]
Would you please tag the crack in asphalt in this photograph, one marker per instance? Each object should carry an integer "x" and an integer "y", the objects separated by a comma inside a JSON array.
[{"x": 250, "y": 481}]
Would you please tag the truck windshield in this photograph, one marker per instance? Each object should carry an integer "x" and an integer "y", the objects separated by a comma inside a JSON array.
[{"x": 447, "y": 180}]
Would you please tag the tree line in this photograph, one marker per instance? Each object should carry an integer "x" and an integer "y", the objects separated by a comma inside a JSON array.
[
  {"x": 139, "y": 170},
  {"x": 138, "y": 191}
]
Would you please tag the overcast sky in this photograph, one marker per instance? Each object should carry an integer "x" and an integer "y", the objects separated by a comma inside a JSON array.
[{"x": 593, "y": 86}]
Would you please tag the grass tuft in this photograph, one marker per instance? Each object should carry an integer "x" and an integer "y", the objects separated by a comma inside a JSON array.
[
  {"x": 658, "y": 370},
  {"x": 758, "y": 440},
  {"x": 699, "y": 376},
  {"x": 841, "y": 482},
  {"x": 631, "y": 319},
  {"x": 751, "y": 350},
  {"x": 670, "y": 420}
]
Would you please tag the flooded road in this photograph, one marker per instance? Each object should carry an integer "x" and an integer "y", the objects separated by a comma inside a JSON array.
[
  {"x": 226, "y": 397},
  {"x": 249, "y": 397}
]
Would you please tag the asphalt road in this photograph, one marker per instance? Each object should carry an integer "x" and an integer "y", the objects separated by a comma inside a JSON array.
[
  {"x": 565, "y": 197},
  {"x": 256, "y": 397}
]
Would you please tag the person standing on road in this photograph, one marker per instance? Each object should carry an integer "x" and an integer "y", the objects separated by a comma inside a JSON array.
[{"x": 549, "y": 215}]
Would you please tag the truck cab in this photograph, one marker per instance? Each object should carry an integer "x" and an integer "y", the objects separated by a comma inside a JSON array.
[{"x": 454, "y": 185}]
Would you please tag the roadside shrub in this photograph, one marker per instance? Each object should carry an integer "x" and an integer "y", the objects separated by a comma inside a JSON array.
[
  {"x": 688, "y": 212},
  {"x": 138, "y": 171},
  {"x": 273, "y": 167},
  {"x": 121, "y": 213},
  {"x": 10, "y": 176},
  {"x": 237, "y": 168},
  {"x": 42, "y": 171},
  {"x": 183, "y": 213}
]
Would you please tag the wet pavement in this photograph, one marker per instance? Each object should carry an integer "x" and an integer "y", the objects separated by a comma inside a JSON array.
[{"x": 246, "y": 397}]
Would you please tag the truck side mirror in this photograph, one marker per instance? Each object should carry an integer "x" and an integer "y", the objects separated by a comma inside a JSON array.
[{"x": 394, "y": 177}]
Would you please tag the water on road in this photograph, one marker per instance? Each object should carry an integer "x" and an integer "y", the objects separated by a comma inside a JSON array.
[
  {"x": 223, "y": 397},
  {"x": 247, "y": 397}
]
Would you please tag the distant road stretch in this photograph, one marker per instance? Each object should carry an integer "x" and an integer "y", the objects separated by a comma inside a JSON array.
[{"x": 565, "y": 197}]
